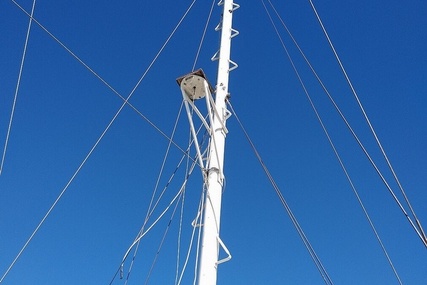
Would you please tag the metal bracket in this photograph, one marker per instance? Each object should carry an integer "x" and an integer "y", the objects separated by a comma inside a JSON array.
[
  {"x": 233, "y": 65},
  {"x": 234, "y": 33},
  {"x": 235, "y": 7},
  {"x": 215, "y": 56},
  {"x": 226, "y": 251}
]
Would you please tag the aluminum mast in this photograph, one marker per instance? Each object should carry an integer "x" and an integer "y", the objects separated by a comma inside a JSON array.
[
  {"x": 195, "y": 86},
  {"x": 211, "y": 241}
]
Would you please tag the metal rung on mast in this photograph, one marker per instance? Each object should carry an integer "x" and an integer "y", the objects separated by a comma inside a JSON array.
[
  {"x": 215, "y": 56},
  {"x": 221, "y": 243},
  {"x": 234, "y": 33},
  {"x": 233, "y": 65}
]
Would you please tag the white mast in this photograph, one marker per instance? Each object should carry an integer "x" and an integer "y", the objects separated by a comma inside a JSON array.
[
  {"x": 212, "y": 213},
  {"x": 195, "y": 86}
]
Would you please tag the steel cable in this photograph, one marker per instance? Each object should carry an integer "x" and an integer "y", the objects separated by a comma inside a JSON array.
[
  {"x": 96, "y": 143},
  {"x": 21, "y": 67},
  {"x": 417, "y": 226},
  {"x": 282, "y": 199}
]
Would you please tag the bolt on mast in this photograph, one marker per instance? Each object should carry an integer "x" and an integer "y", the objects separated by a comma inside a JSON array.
[{"x": 195, "y": 86}]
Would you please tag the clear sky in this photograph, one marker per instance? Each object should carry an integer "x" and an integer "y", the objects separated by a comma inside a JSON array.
[{"x": 62, "y": 109}]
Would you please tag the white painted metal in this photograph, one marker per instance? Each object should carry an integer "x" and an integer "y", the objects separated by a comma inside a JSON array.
[
  {"x": 194, "y": 86},
  {"x": 215, "y": 180}
]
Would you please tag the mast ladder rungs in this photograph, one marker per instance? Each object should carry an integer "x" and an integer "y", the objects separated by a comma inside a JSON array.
[
  {"x": 234, "y": 33},
  {"x": 233, "y": 65},
  {"x": 235, "y": 6},
  {"x": 221, "y": 243}
]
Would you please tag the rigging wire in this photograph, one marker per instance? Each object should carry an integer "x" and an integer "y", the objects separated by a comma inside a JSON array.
[
  {"x": 195, "y": 224},
  {"x": 157, "y": 183},
  {"x": 418, "y": 227},
  {"x": 97, "y": 142},
  {"x": 181, "y": 217},
  {"x": 199, "y": 216},
  {"x": 140, "y": 236},
  {"x": 187, "y": 176},
  {"x": 190, "y": 141},
  {"x": 98, "y": 76},
  {"x": 199, "y": 234},
  {"x": 151, "y": 208},
  {"x": 178, "y": 253},
  {"x": 190, "y": 245},
  {"x": 203, "y": 36},
  {"x": 141, "y": 232},
  {"x": 183, "y": 199},
  {"x": 17, "y": 89},
  {"x": 164, "y": 236},
  {"x": 282, "y": 199},
  {"x": 189, "y": 170},
  {"x": 330, "y": 139}
]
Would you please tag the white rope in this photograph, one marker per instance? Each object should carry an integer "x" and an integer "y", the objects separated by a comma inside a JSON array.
[
  {"x": 182, "y": 208},
  {"x": 144, "y": 232},
  {"x": 156, "y": 185},
  {"x": 151, "y": 211},
  {"x": 190, "y": 246},
  {"x": 181, "y": 218},
  {"x": 164, "y": 237},
  {"x": 141, "y": 231},
  {"x": 140, "y": 236},
  {"x": 16, "y": 90},
  {"x": 154, "y": 207},
  {"x": 178, "y": 252},
  {"x": 158, "y": 200},
  {"x": 195, "y": 225},
  {"x": 305, "y": 240},
  {"x": 199, "y": 234}
]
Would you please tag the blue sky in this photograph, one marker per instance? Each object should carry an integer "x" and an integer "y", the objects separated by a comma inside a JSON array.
[{"x": 62, "y": 109}]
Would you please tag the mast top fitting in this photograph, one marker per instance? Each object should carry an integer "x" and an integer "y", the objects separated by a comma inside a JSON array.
[{"x": 193, "y": 86}]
